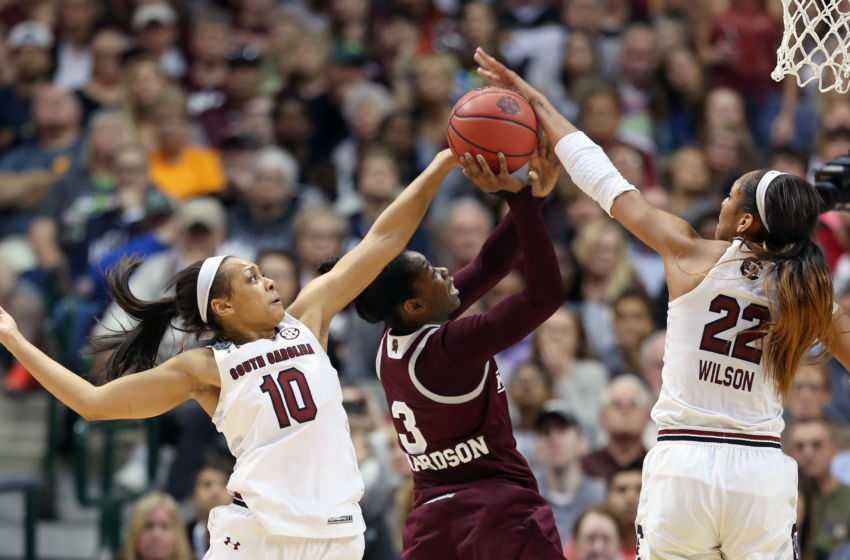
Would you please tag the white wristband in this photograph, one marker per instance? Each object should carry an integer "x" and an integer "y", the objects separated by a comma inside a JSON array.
[{"x": 591, "y": 170}]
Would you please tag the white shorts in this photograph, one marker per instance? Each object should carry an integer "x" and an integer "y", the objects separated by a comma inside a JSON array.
[
  {"x": 235, "y": 534},
  {"x": 704, "y": 500}
]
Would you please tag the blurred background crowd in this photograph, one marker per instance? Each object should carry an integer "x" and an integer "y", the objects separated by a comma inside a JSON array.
[{"x": 279, "y": 130}]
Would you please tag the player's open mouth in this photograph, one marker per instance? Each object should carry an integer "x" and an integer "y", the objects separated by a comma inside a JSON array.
[{"x": 452, "y": 290}]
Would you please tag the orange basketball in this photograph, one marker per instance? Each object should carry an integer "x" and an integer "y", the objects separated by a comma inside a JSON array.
[{"x": 492, "y": 120}]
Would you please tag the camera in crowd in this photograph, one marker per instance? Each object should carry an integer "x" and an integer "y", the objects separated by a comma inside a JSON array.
[{"x": 832, "y": 182}]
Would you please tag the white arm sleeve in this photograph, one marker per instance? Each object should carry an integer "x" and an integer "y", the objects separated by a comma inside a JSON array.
[{"x": 591, "y": 170}]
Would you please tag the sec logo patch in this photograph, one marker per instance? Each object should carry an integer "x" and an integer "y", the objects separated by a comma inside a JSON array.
[{"x": 289, "y": 333}]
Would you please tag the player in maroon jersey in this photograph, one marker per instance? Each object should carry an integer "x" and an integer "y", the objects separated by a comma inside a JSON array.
[{"x": 474, "y": 494}]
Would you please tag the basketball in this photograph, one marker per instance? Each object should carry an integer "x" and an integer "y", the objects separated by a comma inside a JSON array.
[{"x": 492, "y": 120}]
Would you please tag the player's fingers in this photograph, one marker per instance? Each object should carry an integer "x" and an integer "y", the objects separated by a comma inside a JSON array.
[
  {"x": 534, "y": 181},
  {"x": 485, "y": 167},
  {"x": 503, "y": 165},
  {"x": 469, "y": 164}
]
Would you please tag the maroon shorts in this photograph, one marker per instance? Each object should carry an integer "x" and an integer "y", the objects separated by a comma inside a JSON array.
[{"x": 488, "y": 520}]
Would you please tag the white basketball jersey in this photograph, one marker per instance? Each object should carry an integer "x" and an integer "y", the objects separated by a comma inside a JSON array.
[
  {"x": 713, "y": 368},
  {"x": 281, "y": 412}
]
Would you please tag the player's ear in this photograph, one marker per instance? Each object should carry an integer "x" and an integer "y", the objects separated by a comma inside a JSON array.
[
  {"x": 221, "y": 306},
  {"x": 412, "y": 307},
  {"x": 745, "y": 223}
]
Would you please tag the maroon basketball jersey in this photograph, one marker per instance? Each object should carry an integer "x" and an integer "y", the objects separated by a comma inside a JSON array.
[{"x": 449, "y": 440}]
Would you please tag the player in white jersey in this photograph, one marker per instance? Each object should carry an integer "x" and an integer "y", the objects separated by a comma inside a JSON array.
[
  {"x": 267, "y": 383},
  {"x": 744, "y": 308}
]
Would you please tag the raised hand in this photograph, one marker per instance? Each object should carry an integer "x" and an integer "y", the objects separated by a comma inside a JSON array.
[
  {"x": 543, "y": 168},
  {"x": 498, "y": 73},
  {"x": 7, "y": 325},
  {"x": 479, "y": 172},
  {"x": 555, "y": 124}
]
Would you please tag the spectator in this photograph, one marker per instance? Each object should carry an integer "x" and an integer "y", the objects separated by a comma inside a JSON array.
[
  {"x": 601, "y": 252},
  {"x": 632, "y": 324},
  {"x": 155, "y": 530},
  {"x": 579, "y": 69},
  {"x": 623, "y": 493},
  {"x": 728, "y": 149},
  {"x": 201, "y": 225},
  {"x": 364, "y": 107},
  {"x": 106, "y": 88},
  {"x": 788, "y": 159},
  {"x": 527, "y": 391},
  {"x": 652, "y": 362},
  {"x": 597, "y": 535},
  {"x": 178, "y": 168},
  {"x": 252, "y": 22},
  {"x": 601, "y": 113},
  {"x": 209, "y": 490},
  {"x": 261, "y": 218},
  {"x": 686, "y": 86},
  {"x": 368, "y": 437},
  {"x": 241, "y": 85},
  {"x": 690, "y": 184},
  {"x": 155, "y": 25},
  {"x": 812, "y": 444},
  {"x": 74, "y": 58},
  {"x": 28, "y": 171},
  {"x": 639, "y": 62},
  {"x": 467, "y": 226},
  {"x": 29, "y": 44},
  {"x": 625, "y": 414},
  {"x": 318, "y": 233},
  {"x": 210, "y": 41},
  {"x": 560, "y": 349},
  {"x": 810, "y": 392},
  {"x": 560, "y": 479},
  {"x": 59, "y": 233},
  {"x": 378, "y": 183},
  {"x": 146, "y": 85}
]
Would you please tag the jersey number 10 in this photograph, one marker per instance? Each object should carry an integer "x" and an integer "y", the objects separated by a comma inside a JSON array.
[
  {"x": 731, "y": 309},
  {"x": 291, "y": 393}
]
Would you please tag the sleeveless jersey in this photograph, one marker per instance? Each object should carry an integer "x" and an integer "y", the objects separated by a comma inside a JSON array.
[
  {"x": 713, "y": 374},
  {"x": 281, "y": 412},
  {"x": 450, "y": 441}
]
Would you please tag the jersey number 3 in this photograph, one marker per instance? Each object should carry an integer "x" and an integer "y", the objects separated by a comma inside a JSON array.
[
  {"x": 412, "y": 439},
  {"x": 291, "y": 393},
  {"x": 731, "y": 309}
]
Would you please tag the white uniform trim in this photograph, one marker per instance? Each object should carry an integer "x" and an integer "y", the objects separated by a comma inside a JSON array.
[
  {"x": 379, "y": 354},
  {"x": 459, "y": 399}
]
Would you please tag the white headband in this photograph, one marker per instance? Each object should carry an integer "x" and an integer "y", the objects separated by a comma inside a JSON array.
[
  {"x": 205, "y": 282},
  {"x": 761, "y": 192}
]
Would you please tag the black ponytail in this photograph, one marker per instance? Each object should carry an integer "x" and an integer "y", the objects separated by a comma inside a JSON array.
[
  {"x": 136, "y": 349},
  {"x": 801, "y": 284},
  {"x": 380, "y": 300}
]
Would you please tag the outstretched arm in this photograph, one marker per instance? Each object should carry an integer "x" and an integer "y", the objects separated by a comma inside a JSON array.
[
  {"x": 328, "y": 294},
  {"x": 139, "y": 395},
  {"x": 594, "y": 173},
  {"x": 840, "y": 347},
  {"x": 501, "y": 249}
]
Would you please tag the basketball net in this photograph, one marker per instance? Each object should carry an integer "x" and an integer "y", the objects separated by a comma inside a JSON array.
[{"x": 815, "y": 44}]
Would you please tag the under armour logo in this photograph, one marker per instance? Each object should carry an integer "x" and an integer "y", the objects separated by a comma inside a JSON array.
[
  {"x": 395, "y": 345},
  {"x": 227, "y": 542},
  {"x": 508, "y": 105}
]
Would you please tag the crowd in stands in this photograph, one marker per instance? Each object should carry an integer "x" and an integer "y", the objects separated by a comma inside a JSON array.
[{"x": 279, "y": 130}]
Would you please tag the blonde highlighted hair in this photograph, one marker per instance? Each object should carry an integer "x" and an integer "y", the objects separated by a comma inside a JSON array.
[{"x": 139, "y": 520}]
